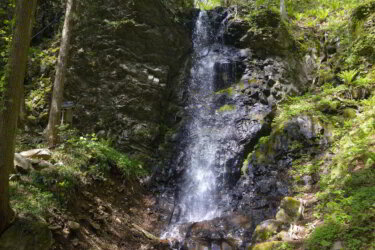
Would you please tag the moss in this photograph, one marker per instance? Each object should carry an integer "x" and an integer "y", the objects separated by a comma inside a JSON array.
[
  {"x": 266, "y": 230},
  {"x": 283, "y": 216},
  {"x": 266, "y": 245},
  {"x": 328, "y": 106},
  {"x": 291, "y": 205},
  {"x": 227, "y": 108},
  {"x": 245, "y": 166},
  {"x": 229, "y": 91},
  {"x": 269, "y": 33},
  {"x": 349, "y": 113},
  {"x": 290, "y": 210}
]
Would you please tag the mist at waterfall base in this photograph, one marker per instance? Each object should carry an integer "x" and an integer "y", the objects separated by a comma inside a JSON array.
[{"x": 199, "y": 192}]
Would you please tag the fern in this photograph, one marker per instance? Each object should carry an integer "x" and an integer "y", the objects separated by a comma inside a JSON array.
[{"x": 348, "y": 76}]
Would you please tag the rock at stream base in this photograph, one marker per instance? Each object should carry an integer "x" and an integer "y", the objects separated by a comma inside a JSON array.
[{"x": 27, "y": 234}]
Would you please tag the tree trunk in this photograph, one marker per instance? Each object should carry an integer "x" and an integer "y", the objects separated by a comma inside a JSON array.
[
  {"x": 22, "y": 114},
  {"x": 14, "y": 77},
  {"x": 283, "y": 13},
  {"x": 58, "y": 86}
]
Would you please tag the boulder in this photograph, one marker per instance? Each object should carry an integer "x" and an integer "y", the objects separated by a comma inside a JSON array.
[
  {"x": 74, "y": 226},
  {"x": 337, "y": 246},
  {"x": 40, "y": 164},
  {"x": 21, "y": 164},
  {"x": 27, "y": 234},
  {"x": 227, "y": 232},
  {"x": 291, "y": 210},
  {"x": 265, "y": 230},
  {"x": 41, "y": 153}
]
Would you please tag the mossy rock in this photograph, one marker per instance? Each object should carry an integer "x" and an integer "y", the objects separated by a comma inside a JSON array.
[
  {"x": 265, "y": 230},
  {"x": 269, "y": 34},
  {"x": 328, "y": 106},
  {"x": 266, "y": 245},
  {"x": 290, "y": 210},
  {"x": 349, "y": 113},
  {"x": 363, "y": 32},
  {"x": 363, "y": 11},
  {"x": 27, "y": 234},
  {"x": 283, "y": 216},
  {"x": 266, "y": 19}
]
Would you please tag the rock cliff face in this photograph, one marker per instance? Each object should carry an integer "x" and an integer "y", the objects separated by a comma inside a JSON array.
[{"x": 126, "y": 59}]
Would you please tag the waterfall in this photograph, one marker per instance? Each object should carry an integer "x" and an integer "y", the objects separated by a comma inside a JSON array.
[
  {"x": 197, "y": 198},
  {"x": 199, "y": 193}
]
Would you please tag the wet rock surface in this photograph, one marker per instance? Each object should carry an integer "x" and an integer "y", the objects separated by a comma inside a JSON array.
[{"x": 225, "y": 232}]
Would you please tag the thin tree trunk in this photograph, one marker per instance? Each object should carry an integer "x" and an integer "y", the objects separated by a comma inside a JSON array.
[
  {"x": 283, "y": 13},
  {"x": 14, "y": 77},
  {"x": 22, "y": 114},
  {"x": 58, "y": 86}
]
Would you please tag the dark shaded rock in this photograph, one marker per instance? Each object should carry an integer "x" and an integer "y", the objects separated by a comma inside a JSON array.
[
  {"x": 360, "y": 93},
  {"x": 27, "y": 234},
  {"x": 235, "y": 31},
  {"x": 124, "y": 68},
  {"x": 331, "y": 49},
  {"x": 266, "y": 34}
]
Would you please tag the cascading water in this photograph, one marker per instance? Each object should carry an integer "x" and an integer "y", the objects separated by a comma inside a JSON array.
[{"x": 199, "y": 195}]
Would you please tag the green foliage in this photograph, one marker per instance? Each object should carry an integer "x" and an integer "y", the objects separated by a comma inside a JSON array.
[
  {"x": 323, "y": 237},
  {"x": 79, "y": 161},
  {"x": 28, "y": 198},
  {"x": 176, "y": 4},
  {"x": 348, "y": 76},
  {"x": 41, "y": 70},
  {"x": 89, "y": 147},
  {"x": 207, "y": 4},
  {"x": 6, "y": 11},
  {"x": 347, "y": 196},
  {"x": 285, "y": 246}
]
